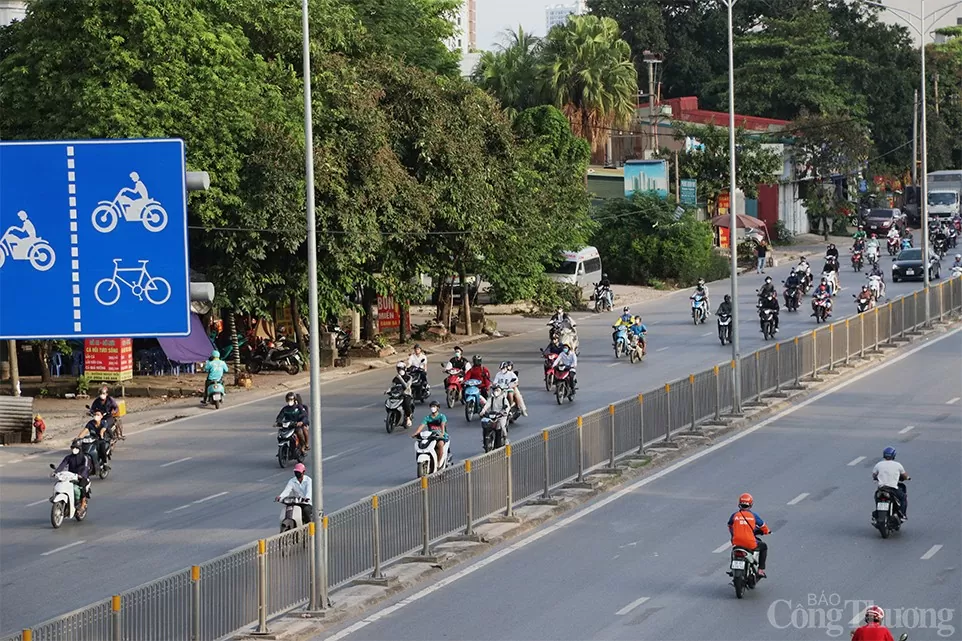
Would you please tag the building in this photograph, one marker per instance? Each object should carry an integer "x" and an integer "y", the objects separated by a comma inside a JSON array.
[
  {"x": 11, "y": 10},
  {"x": 465, "y": 21},
  {"x": 558, "y": 14}
]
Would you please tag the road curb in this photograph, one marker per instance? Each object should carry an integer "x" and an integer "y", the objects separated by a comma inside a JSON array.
[{"x": 356, "y": 598}]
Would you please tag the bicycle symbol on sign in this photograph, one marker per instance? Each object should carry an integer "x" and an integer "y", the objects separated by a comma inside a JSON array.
[
  {"x": 156, "y": 289},
  {"x": 133, "y": 205}
]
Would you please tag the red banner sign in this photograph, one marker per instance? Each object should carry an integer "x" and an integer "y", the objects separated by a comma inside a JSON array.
[
  {"x": 389, "y": 314},
  {"x": 109, "y": 359}
]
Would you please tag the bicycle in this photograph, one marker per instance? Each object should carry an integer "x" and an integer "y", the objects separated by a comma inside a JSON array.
[{"x": 144, "y": 285}]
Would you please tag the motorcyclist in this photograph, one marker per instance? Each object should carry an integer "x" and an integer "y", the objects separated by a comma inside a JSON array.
[
  {"x": 940, "y": 237},
  {"x": 858, "y": 246},
  {"x": 877, "y": 273},
  {"x": 605, "y": 283},
  {"x": 300, "y": 486},
  {"x": 888, "y": 473},
  {"x": 958, "y": 262},
  {"x": 405, "y": 380},
  {"x": 951, "y": 233},
  {"x": 831, "y": 251},
  {"x": 569, "y": 359},
  {"x": 97, "y": 428},
  {"x": 418, "y": 366},
  {"x": 623, "y": 320},
  {"x": 107, "y": 406},
  {"x": 804, "y": 270},
  {"x": 499, "y": 406},
  {"x": 770, "y": 301},
  {"x": 872, "y": 249},
  {"x": 873, "y": 630},
  {"x": 215, "y": 369},
  {"x": 81, "y": 465},
  {"x": 507, "y": 380},
  {"x": 767, "y": 288},
  {"x": 559, "y": 315},
  {"x": 701, "y": 289},
  {"x": 293, "y": 412},
  {"x": 458, "y": 361},
  {"x": 560, "y": 322},
  {"x": 725, "y": 309},
  {"x": 480, "y": 372},
  {"x": 823, "y": 292},
  {"x": 555, "y": 346},
  {"x": 437, "y": 423},
  {"x": 744, "y": 526},
  {"x": 866, "y": 295},
  {"x": 793, "y": 282},
  {"x": 893, "y": 234},
  {"x": 639, "y": 330},
  {"x": 859, "y": 234},
  {"x": 830, "y": 271},
  {"x": 907, "y": 235}
]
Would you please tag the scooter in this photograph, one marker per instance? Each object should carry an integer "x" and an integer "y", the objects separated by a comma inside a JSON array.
[
  {"x": 66, "y": 498},
  {"x": 893, "y": 246},
  {"x": 821, "y": 308},
  {"x": 472, "y": 398},
  {"x": 604, "y": 299},
  {"x": 743, "y": 569},
  {"x": 563, "y": 389},
  {"x": 766, "y": 318},
  {"x": 549, "y": 360},
  {"x": 698, "y": 312},
  {"x": 635, "y": 351},
  {"x": 291, "y": 515},
  {"x": 426, "y": 454},
  {"x": 419, "y": 388},
  {"x": 863, "y": 303},
  {"x": 876, "y": 286},
  {"x": 394, "y": 408},
  {"x": 621, "y": 341},
  {"x": 885, "y": 517},
  {"x": 215, "y": 393},
  {"x": 101, "y": 468},
  {"x": 289, "y": 447},
  {"x": 492, "y": 436},
  {"x": 725, "y": 328},
  {"x": 857, "y": 260},
  {"x": 453, "y": 386},
  {"x": 269, "y": 356}
]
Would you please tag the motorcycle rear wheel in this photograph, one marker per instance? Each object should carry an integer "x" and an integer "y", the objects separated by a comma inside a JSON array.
[
  {"x": 254, "y": 366},
  {"x": 56, "y": 515},
  {"x": 282, "y": 457},
  {"x": 469, "y": 410},
  {"x": 292, "y": 367},
  {"x": 452, "y": 396},
  {"x": 739, "y": 583}
]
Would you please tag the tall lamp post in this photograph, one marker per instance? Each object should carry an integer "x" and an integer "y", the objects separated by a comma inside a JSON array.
[
  {"x": 732, "y": 227},
  {"x": 922, "y": 18},
  {"x": 318, "y": 599}
]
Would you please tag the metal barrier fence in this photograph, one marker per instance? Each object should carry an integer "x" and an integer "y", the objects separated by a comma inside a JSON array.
[{"x": 250, "y": 584}]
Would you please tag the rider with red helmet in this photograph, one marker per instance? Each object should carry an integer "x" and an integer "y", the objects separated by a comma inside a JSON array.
[
  {"x": 744, "y": 525},
  {"x": 873, "y": 630}
]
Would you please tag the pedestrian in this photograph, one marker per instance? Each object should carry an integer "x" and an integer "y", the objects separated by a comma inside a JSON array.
[
  {"x": 761, "y": 252},
  {"x": 39, "y": 428}
]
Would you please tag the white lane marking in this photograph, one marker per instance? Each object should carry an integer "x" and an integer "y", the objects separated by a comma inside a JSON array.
[
  {"x": 952, "y": 401},
  {"x": 628, "y": 489},
  {"x": 180, "y": 460},
  {"x": 212, "y": 496},
  {"x": 370, "y": 405},
  {"x": 25, "y": 458},
  {"x": 721, "y": 548},
  {"x": 707, "y": 334},
  {"x": 178, "y": 509},
  {"x": 661, "y": 349},
  {"x": 340, "y": 454},
  {"x": 38, "y": 502},
  {"x": 270, "y": 477},
  {"x": 932, "y": 552},
  {"x": 907, "y": 428},
  {"x": 798, "y": 499},
  {"x": 614, "y": 364},
  {"x": 856, "y": 461},
  {"x": 631, "y": 606},
  {"x": 63, "y": 547}
]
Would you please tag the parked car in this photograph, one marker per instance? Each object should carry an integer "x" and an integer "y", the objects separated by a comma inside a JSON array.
[
  {"x": 908, "y": 265},
  {"x": 879, "y": 221}
]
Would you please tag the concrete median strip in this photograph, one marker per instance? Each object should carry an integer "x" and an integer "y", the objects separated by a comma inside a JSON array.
[{"x": 635, "y": 471}]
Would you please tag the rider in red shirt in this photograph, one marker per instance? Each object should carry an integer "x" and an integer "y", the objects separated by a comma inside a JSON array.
[
  {"x": 873, "y": 630},
  {"x": 481, "y": 373}
]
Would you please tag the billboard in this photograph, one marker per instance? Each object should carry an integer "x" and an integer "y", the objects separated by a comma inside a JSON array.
[{"x": 646, "y": 176}]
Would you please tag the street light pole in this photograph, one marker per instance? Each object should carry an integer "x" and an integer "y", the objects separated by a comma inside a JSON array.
[
  {"x": 923, "y": 197},
  {"x": 732, "y": 227},
  {"x": 318, "y": 599}
]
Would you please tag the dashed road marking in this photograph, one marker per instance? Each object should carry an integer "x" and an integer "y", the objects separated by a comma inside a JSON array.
[
  {"x": 932, "y": 552},
  {"x": 71, "y": 545},
  {"x": 180, "y": 460},
  {"x": 631, "y": 606},
  {"x": 907, "y": 428},
  {"x": 721, "y": 548},
  {"x": 952, "y": 401},
  {"x": 798, "y": 499},
  {"x": 856, "y": 461}
]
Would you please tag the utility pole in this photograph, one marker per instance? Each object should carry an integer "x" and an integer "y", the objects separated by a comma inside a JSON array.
[
  {"x": 915, "y": 140},
  {"x": 14, "y": 368},
  {"x": 936, "y": 82},
  {"x": 652, "y": 59}
]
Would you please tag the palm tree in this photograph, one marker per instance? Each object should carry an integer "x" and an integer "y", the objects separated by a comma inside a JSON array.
[
  {"x": 510, "y": 74},
  {"x": 587, "y": 72}
]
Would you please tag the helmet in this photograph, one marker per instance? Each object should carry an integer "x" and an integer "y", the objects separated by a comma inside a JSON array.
[
  {"x": 215, "y": 354},
  {"x": 75, "y": 444},
  {"x": 299, "y": 468},
  {"x": 477, "y": 359},
  {"x": 768, "y": 280},
  {"x": 958, "y": 257},
  {"x": 625, "y": 310},
  {"x": 291, "y": 396},
  {"x": 435, "y": 404},
  {"x": 400, "y": 365},
  {"x": 604, "y": 275},
  {"x": 510, "y": 364},
  {"x": 874, "y": 613},
  {"x": 745, "y": 501},
  {"x": 888, "y": 453},
  {"x": 728, "y": 298},
  {"x": 457, "y": 348},
  {"x": 824, "y": 280},
  {"x": 793, "y": 270},
  {"x": 503, "y": 365},
  {"x": 864, "y": 287},
  {"x": 874, "y": 236}
]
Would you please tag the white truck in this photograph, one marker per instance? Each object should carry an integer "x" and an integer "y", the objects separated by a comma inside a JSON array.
[{"x": 944, "y": 193}]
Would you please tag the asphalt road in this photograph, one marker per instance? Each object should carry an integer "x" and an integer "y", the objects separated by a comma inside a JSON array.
[
  {"x": 187, "y": 491},
  {"x": 649, "y": 561}
]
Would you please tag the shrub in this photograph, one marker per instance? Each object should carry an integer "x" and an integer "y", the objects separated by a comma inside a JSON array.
[{"x": 550, "y": 294}]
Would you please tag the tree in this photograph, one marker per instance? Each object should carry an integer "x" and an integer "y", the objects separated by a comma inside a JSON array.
[
  {"x": 588, "y": 75},
  {"x": 709, "y": 165},
  {"x": 511, "y": 74}
]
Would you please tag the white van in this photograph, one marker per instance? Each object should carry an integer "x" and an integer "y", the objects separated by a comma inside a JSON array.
[{"x": 582, "y": 267}]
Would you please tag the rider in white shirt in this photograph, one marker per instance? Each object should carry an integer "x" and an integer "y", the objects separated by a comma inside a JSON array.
[
  {"x": 300, "y": 487},
  {"x": 889, "y": 473},
  {"x": 418, "y": 364},
  {"x": 569, "y": 359},
  {"x": 507, "y": 379}
]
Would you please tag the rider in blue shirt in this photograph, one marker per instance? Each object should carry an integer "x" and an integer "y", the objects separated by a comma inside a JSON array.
[
  {"x": 437, "y": 423},
  {"x": 638, "y": 329},
  {"x": 215, "y": 369}
]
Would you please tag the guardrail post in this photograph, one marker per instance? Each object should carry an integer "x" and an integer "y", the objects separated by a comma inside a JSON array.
[
  {"x": 814, "y": 353},
  {"x": 376, "y": 537},
  {"x": 194, "y": 603},
  {"x": 469, "y": 499},
  {"x": 902, "y": 325},
  {"x": 758, "y": 379},
  {"x": 941, "y": 301},
  {"x": 611, "y": 434},
  {"x": 694, "y": 416},
  {"x": 915, "y": 311},
  {"x": 115, "y": 621},
  {"x": 581, "y": 450},
  {"x": 778, "y": 368},
  {"x": 312, "y": 580},
  {"x": 875, "y": 349},
  {"x": 26, "y": 634},
  {"x": 798, "y": 362},
  {"x": 831, "y": 347},
  {"x": 861, "y": 342},
  {"x": 509, "y": 510},
  {"x": 717, "y": 394},
  {"x": 547, "y": 474},
  {"x": 848, "y": 336},
  {"x": 426, "y": 518},
  {"x": 325, "y": 542},
  {"x": 261, "y": 587},
  {"x": 668, "y": 404},
  {"x": 641, "y": 426}
]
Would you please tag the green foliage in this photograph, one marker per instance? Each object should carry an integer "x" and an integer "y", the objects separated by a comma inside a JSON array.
[
  {"x": 644, "y": 242},
  {"x": 782, "y": 235},
  {"x": 549, "y": 295},
  {"x": 945, "y": 123},
  {"x": 83, "y": 385},
  {"x": 830, "y": 145},
  {"x": 511, "y": 74}
]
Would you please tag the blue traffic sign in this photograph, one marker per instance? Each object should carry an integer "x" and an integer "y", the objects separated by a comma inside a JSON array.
[{"x": 93, "y": 239}]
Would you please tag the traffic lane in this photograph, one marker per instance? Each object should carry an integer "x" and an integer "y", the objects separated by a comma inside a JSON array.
[{"x": 667, "y": 542}]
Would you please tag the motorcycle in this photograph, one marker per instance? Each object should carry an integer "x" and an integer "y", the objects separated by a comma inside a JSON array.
[
  {"x": 805, "y": 278},
  {"x": 833, "y": 284},
  {"x": 621, "y": 341},
  {"x": 514, "y": 411},
  {"x": 420, "y": 390},
  {"x": 821, "y": 308},
  {"x": 453, "y": 386},
  {"x": 635, "y": 351},
  {"x": 725, "y": 328},
  {"x": 743, "y": 569},
  {"x": 893, "y": 246},
  {"x": 289, "y": 447},
  {"x": 394, "y": 408},
  {"x": 568, "y": 335},
  {"x": 291, "y": 515},
  {"x": 426, "y": 454},
  {"x": 342, "y": 340},
  {"x": 885, "y": 517},
  {"x": 563, "y": 388},
  {"x": 793, "y": 296},
  {"x": 549, "y": 360},
  {"x": 698, "y": 311},
  {"x": 279, "y": 356},
  {"x": 872, "y": 255},
  {"x": 492, "y": 436},
  {"x": 472, "y": 398},
  {"x": 101, "y": 468},
  {"x": 857, "y": 260},
  {"x": 766, "y": 319},
  {"x": 906, "y": 243},
  {"x": 603, "y": 297},
  {"x": 940, "y": 245},
  {"x": 216, "y": 392},
  {"x": 66, "y": 498},
  {"x": 956, "y": 272},
  {"x": 863, "y": 303},
  {"x": 876, "y": 286}
]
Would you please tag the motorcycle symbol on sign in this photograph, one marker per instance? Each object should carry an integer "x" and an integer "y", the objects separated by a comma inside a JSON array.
[
  {"x": 134, "y": 205},
  {"x": 22, "y": 243}
]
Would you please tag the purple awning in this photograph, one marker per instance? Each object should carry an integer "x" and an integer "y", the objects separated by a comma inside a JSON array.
[{"x": 194, "y": 348}]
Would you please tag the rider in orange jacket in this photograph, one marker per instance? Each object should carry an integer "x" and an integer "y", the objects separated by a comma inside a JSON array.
[{"x": 744, "y": 525}]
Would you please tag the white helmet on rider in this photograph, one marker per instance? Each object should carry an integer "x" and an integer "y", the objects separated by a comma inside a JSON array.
[{"x": 401, "y": 366}]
